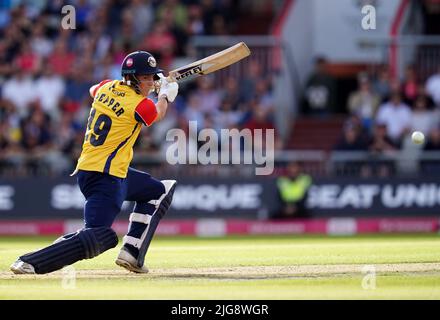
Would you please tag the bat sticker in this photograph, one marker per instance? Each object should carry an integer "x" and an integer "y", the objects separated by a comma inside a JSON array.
[{"x": 188, "y": 72}]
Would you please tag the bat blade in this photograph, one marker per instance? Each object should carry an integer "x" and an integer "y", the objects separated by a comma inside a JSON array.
[{"x": 211, "y": 63}]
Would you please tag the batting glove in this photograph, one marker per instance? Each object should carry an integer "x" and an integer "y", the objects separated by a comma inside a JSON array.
[{"x": 168, "y": 89}]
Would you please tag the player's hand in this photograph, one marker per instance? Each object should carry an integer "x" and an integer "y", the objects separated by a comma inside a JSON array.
[{"x": 168, "y": 89}]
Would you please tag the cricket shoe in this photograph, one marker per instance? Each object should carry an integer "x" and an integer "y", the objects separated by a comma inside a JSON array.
[
  {"x": 21, "y": 267},
  {"x": 127, "y": 261}
]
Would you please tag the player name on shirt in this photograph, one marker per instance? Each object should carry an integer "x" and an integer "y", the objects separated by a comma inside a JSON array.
[{"x": 111, "y": 103}]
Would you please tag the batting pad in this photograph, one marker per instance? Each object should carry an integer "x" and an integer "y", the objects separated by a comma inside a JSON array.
[
  {"x": 85, "y": 244},
  {"x": 162, "y": 205}
]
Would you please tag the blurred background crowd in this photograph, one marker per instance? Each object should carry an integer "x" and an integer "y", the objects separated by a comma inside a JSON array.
[
  {"x": 46, "y": 71},
  {"x": 381, "y": 114}
]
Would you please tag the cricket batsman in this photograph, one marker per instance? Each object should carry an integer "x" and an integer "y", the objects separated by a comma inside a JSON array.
[{"x": 119, "y": 109}]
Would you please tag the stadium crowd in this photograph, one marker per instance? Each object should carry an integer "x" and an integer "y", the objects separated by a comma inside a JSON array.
[
  {"x": 46, "y": 72},
  {"x": 392, "y": 106},
  {"x": 383, "y": 112}
]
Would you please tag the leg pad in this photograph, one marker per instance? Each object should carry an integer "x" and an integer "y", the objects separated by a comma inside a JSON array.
[
  {"x": 161, "y": 208},
  {"x": 85, "y": 244}
]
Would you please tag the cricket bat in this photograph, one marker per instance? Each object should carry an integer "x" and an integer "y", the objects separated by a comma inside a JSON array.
[{"x": 211, "y": 63}]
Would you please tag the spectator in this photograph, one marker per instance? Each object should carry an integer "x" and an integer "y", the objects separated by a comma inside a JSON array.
[
  {"x": 9, "y": 115},
  {"x": 231, "y": 92},
  {"x": 410, "y": 86},
  {"x": 264, "y": 94},
  {"x": 364, "y": 102},
  {"x": 83, "y": 13},
  {"x": 219, "y": 27},
  {"x": 397, "y": 117},
  {"x": 395, "y": 88},
  {"x": 36, "y": 139},
  {"x": 4, "y": 146},
  {"x": 249, "y": 82},
  {"x": 209, "y": 10},
  {"x": 14, "y": 37},
  {"x": 423, "y": 120},
  {"x": 195, "y": 24},
  {"x": 53, "y": 9},
  {"x": 320, "y": 90},
  {"x": 64, "y": 141},
  {"x": 292, "y": 190},
  {"x": 226, "y": 117},
  {"x": 381, "y": 84},
  {"x": 11, "y": 157},
  {"x": 177, "y": 10},
  {"x": 39, "y": 42},
  {"x": 351, "y": 140},
  {"x": 193, "y": 111},
  {"x": 143, "y": 16},
  {"x": 107, "y": 69},
  {"x": 68, "y": 38},
  {"x": 35, "y": 129},
  {"x": 178, "y": 33},
  {"x": 380, "y": 141},
  {"x": 433, "y": 143},
  {"x": 49, "y": 90},
  {"x": 20, "y": 90},
  {"x": 161, "y": 43},
  {"x": 111, "y": 14},
  {"x": 61, "y": 60},
  {"x": 119, "y": 50},
  {"x": 100, "y": 42},
  {"x": 77, "y": 89},
  {"x": 433, "y": 87},
  {"x": 28, "y": 60},
  {"x": 209, "y": 95},
  {"x": 431, "y": 167},
  {"x": 259, "y": 119},
  {"x": 423, "y": 93},
  {"x": 145, "y": 143},
  {"x": 5, "y": 62},
  {"x": 4, "y": 16},
  {"x": 125, "y": 34},
  {"x": 380, "y": 144}
]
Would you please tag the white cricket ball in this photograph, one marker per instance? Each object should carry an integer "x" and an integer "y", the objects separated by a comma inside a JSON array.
[{"x": 418, "y": 137}]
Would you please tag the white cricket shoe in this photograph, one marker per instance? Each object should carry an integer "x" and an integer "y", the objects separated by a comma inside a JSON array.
[
  {"x": 21, "y": 267},
  {"x": 127, "y": 261}
]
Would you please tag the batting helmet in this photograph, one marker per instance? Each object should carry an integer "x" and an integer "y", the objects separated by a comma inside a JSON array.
[
  {"x": 136, "y": 64},
  {"x": 139, "y": 63}
]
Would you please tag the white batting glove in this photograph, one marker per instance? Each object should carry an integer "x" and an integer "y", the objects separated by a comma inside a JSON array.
[{"x": 168, "y": 89}]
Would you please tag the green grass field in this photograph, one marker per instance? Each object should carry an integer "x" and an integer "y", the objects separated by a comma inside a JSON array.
[{"x": 275, "y": 267}]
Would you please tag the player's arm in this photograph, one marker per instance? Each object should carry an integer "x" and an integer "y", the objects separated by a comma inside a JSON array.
[
  {"x": 94, "y": 89},
  {"x": 147, "y": 112},
  {"x": 162, "y": 107},
  {"x": 167, "y": 93}
]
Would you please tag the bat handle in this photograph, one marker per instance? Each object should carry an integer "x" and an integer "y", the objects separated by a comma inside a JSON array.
[{"x": 170, "y": 78}]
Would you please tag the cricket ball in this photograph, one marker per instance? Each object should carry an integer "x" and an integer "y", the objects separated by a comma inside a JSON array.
[{"x": 418, "y": 137}]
